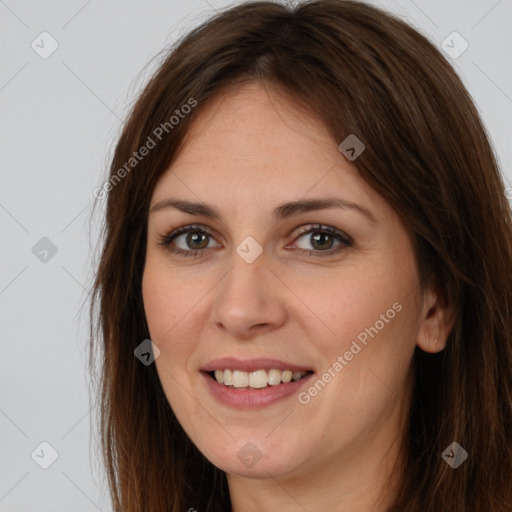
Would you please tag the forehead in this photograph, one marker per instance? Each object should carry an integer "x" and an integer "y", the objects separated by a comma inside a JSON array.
[
  {"x": 252, "y": 144},
  {"x": 257, "y": 125}
]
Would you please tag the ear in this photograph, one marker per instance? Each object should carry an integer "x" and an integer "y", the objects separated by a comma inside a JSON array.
[{"x": 436, "y": 322}]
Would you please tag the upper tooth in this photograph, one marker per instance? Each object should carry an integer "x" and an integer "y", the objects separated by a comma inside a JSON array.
[
  {"x": 240, "y": 379},
  {"x": 286, "y": 376},
  {"x": 256, "y": 379},
  {"x": 228, "y": 377},
  {"x": 274, "y": 377}
]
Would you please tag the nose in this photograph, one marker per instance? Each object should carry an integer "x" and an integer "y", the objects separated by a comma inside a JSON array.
[{"x": 250, "y": 300}]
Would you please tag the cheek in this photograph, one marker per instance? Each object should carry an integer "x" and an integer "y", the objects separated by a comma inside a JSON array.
[
  {"x": 166, "y": 294},
  {"x": 162, "y": 309},
  {"x": 345, "y": 305},
  {"x": 172, "y": 305},
  {"x": 369, "y": 315},
  {"x": 158, "y": 305}
]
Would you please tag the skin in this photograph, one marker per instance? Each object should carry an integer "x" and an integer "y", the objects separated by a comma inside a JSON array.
[{"x": 247, "y": 152}]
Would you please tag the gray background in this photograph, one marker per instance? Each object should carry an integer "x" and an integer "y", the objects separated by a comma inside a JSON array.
[{"x": 59, "y": 118}]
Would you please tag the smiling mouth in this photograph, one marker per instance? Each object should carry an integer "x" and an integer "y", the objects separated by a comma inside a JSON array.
[{"x": 258, "y": 379}]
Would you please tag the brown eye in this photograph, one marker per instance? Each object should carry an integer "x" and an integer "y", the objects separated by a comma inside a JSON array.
[
  {"x": 187, "y": 241},
  {"x": 196, "y": 240},
  {"x": 322, "y": 239},
  {"x": 193, "y": 240}
]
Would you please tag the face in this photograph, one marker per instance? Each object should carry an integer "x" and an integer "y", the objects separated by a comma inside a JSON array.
[{"x": 327, "y": 292}]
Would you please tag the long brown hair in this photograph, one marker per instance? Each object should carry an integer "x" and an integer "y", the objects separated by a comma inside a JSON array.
[{"x": 364, "y": 72}]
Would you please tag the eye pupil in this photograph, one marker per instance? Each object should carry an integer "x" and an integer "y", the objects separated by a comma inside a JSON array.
[{"x": 322, "y": 236}]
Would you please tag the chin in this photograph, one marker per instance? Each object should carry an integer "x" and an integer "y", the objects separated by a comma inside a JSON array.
[{"x": 255, "y": 459}]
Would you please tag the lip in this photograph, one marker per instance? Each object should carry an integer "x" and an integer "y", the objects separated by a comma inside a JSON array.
[
  {"x": 252, "y": 398},
  {"x": 252, "y": 365}
]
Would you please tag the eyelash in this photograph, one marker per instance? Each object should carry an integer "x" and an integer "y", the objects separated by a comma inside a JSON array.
[{"x": 345, "y": 240}]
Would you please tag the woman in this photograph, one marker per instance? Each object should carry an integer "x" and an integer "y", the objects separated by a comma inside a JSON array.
[{"x": 304, "y": 294}]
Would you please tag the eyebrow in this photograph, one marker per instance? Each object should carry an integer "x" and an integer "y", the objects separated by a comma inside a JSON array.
[{"x": 282, "y": 212}]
